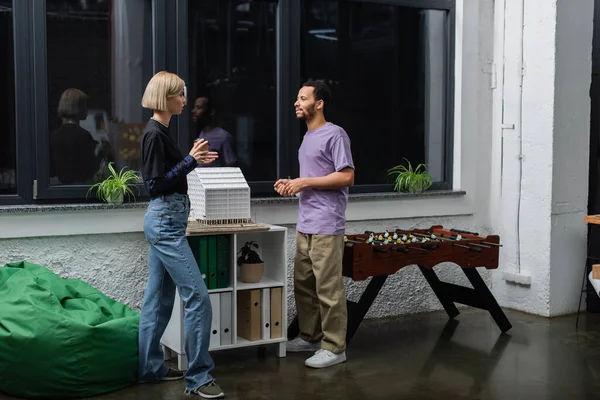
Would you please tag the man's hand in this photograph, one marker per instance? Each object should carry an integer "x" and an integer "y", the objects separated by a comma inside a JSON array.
[
  {"x": 280, "y": 186},
  {"x": 294, "y": 186}
]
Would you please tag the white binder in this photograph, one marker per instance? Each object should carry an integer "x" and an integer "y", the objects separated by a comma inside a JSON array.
[
  {"x": 226, "y": 318},
  {"x": 215, "y": 328},
  {"x": 265, "y": 314}
]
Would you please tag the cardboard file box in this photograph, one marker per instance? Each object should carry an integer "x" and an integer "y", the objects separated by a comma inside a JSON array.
[{"x": 248, "y": 315}]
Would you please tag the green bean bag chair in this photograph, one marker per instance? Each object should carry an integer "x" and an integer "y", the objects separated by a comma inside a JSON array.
[{"x": 61, "y": 338}]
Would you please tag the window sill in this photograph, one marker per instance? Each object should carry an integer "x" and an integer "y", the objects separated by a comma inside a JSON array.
[
  {"x": 52, "y": 208},
  {"x": 82, "y": 219},
  {"x": 35, "y": 208},
  {"x": 368, "y": 196}
]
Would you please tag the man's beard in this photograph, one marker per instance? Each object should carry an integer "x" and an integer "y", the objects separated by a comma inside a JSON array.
[{"x": 309, "y": 114}]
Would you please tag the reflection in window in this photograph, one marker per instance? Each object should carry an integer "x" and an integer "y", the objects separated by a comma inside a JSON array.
[
  {"x": 232, "y": 72},
  {"x": 386, "y": 67},
  {"x": 99, "y": 59},
  {"x": 8, "y": 160}
]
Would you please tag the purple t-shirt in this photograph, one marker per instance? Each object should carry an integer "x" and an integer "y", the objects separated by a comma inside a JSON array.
[
  {"x": 221, "y": 141},
  {"x": 323, "y": 151}
]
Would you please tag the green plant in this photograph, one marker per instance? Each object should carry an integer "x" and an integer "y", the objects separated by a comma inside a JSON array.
[
  {"x": 248, "y": 255},
  {"x": 409, "y": 180},
  {"x": 116, "y": 185}
]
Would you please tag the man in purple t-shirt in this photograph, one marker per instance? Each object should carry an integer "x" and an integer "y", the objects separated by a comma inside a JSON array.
[
  {"x": 219, "y": 139},
  {"x": 326, "y": 172}
]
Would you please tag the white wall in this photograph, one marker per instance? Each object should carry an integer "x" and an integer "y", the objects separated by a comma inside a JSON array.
[
  {"x": 540, "y": 189},
  {"x": 571, "y": 153},
  {"x": 116, "y": 264}
]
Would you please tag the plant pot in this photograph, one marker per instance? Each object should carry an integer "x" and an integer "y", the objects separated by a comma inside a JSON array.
[
  {"x": 116, "y": 198},
  {"x": 252, "y": 273}
]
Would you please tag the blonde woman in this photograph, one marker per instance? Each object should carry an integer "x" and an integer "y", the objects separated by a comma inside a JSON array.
[{"x": 171, "y": 263}]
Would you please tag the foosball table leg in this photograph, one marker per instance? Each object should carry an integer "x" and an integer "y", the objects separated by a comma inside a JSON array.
[
  {"x": 437, "y": 287},
  {"x": 357, "y": 311},
  {"x": 479, "y": 296},
  {"x": 488, "y": 299},
  {"x": 293, "y": 329}
]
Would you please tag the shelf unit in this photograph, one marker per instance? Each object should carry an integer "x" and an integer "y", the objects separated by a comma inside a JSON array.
[{"x": 271, "y": 290}]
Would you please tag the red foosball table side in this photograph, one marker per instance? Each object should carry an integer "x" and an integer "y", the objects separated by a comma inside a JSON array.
[{"x": 362, "y": 260}]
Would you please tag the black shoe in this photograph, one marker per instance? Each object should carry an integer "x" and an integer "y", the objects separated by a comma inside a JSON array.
[
  {"x": 173, "y": 375},
  {"x": 209, "y": 391}
]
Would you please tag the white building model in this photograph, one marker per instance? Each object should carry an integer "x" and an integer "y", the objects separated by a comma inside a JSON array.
[{"x": 218, "y": 196}]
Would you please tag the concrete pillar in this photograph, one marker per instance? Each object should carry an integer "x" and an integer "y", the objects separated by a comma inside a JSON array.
[{"x": 541, "y": 143}]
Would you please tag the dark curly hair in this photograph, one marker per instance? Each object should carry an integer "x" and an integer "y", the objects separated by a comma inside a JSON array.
[{"x": 321, "y": 90}]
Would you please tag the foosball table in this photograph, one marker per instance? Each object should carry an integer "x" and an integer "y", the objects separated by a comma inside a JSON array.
[{"x": 377, "y": 255}]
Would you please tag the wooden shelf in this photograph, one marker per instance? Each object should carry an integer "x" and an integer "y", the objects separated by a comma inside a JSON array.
[
  {"x": 592, "y": 219},
  {"x": 222, "y": 290},
  {"x": 272, "y": 249},
  {"x": 195, "y": 228},
  {"x": 241, "y": 342},
  {"x": 264, "y": 283}
]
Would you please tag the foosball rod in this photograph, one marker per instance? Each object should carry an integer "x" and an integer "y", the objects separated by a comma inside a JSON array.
[
  {"x": 475, "y": 249},
  {"x": 383, "y": 243},
  {"x": 493, "y": 244},
  {"x": 476, "y": 244},
  {"x": 397, "y": 245},
  {"x": 384, "y": 249},
  {"x": 449, "y": 239},
  {"x": 354, "y": 241},
  {"x": 453, "y": 239},
  {"x": 472, "y": 244},
  {"x": 440, "y": 237},
  {"x": 476, "y": 234}
]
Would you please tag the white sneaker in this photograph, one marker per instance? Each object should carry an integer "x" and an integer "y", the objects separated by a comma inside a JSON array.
[
  {"x": 325, "y": 358},
  {"x": 300, "y": 344}
]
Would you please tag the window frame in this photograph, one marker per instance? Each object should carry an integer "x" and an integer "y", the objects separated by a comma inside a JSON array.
[
  {"x": 170, "y": 43},
  {"x": 68, "y": 193},
  {"x": 287, "y": 71},
  {"x": 22, "y": 99},
  {"x": 450, "y": 7}
]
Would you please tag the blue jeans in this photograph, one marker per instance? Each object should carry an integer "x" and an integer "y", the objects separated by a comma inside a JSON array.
[{"x": 171, "y": 264}]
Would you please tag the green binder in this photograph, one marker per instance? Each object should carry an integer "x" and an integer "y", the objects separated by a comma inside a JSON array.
[
  {"x": 223, "y": 261},
  {"x": 195, "y": 246},
  {"x": 212, "y": 262},
  {"x": 203, "y": 258}
]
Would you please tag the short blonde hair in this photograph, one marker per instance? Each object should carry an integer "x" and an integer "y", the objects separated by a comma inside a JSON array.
[
  {"x": 73, "y": 104},
  {"x": 162, "y": 85}
]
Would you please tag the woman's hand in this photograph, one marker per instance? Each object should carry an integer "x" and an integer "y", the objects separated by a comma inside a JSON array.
[{"x": 201, "y": 154}]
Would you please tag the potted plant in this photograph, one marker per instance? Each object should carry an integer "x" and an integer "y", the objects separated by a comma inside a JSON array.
[
  {"x": 251, "y": 265},
  {"x": 408, "y": 180},
  {"x": 116, "y": 185}
]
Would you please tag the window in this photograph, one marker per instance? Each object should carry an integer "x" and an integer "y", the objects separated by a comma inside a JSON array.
[
  {"x": 387, "y": 67},
  {"x": 99, "y": 59},
  {"x": 232, "y": 82},
  {"x": 74, "y": 73},
  {"x": 8, "y": 149}
]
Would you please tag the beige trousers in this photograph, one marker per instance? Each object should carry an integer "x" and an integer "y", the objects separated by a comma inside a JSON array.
[{"x": 319, "y": 290}]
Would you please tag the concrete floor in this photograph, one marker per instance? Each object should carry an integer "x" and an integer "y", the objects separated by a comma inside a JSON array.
[{"x": 421, "y": 357}]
